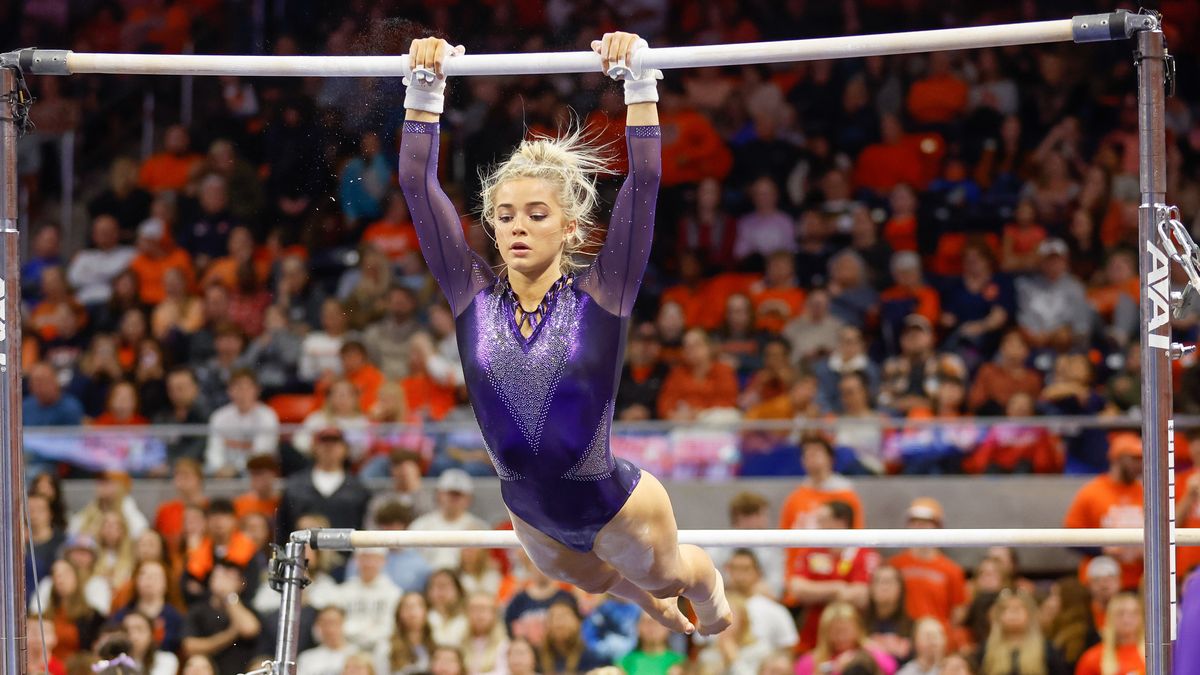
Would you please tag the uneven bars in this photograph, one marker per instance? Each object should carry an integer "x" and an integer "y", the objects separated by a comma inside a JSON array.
[
  {"x": 345, "y": 540},
  {"x": 1090, "y": 28}
]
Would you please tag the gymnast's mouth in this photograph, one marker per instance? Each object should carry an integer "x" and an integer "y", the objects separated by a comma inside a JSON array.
[{"x": 518, "y": 246}]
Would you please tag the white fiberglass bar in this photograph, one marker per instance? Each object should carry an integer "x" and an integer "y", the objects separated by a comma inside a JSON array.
[
  {"x": 854, "y": 46},
  {"x": 897, "y": 538}
]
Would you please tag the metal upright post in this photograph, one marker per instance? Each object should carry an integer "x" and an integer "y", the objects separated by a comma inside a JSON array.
[
  {"x": 292, "y": 579},
  {"x": 12, "y": 566},
  {"x": 1156, "y": 351}
]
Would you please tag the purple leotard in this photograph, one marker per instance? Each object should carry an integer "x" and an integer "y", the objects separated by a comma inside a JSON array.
[{"x": 544, "y": 403}]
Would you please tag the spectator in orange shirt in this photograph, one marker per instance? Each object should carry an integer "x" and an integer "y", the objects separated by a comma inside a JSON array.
[
  {"x": 263, "y": 495},
  {"x": 121, "y": 408},
  {"x": 900, "y": 230},
  {"x": 187, "y": 480},
  {"x": 224, "y": 270},
  {"x": 798, "y": 402},
  {"x": 428, "y": 397},
  {"x": 1124, "y": 641},
  {"x": 820, "y": 485},
  {"x": 223, "y": 541},
  {"x": 998, "y": 381},
  {"x": 156, "y": 254},
  {"x": 893, "y": 160},
  {"x": 694, "y": 294},
  {"x": 1020, "y": 240},
  {"x": 1114, "y": 499},
  {"x": 777, "y": 297},
  {"x": 699, "y": 384},
  {"x": 393, "y": 234},
  {"x": 940, "y": 96},
  {"x": 172, "y": 168},
  {"x": 934, "y": 585},
  {"x": 358, "y": 369},
  {"x": 692, "y": 148},
  {"x": 909, "y": 295},
  {"x": 57, "y": 315}
]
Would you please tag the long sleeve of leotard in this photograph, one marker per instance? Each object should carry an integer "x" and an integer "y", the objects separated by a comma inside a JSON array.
[
  {"x": 615, "y": 275},
  {"x": 459, "y": 271}
]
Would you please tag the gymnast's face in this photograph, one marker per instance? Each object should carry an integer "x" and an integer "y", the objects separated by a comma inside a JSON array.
[{"x": 531, "y": 230}]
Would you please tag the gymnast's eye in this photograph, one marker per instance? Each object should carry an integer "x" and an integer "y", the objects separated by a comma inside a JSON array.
[
  {"x": 538, "y": 216},
  {"x": 505, "y": 218}
]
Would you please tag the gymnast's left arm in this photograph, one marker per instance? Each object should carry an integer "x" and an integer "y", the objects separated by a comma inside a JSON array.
[{"x": 619, "y": 266}]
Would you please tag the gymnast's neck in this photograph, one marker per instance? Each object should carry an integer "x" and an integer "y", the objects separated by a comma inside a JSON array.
[{"x": 530, "y": 286}]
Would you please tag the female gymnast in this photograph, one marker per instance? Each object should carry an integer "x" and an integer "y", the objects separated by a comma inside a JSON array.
[{"x": 542, "y": 343}]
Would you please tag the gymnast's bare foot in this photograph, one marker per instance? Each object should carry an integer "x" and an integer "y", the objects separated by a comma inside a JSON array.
[{"x": 667, "y": 613}]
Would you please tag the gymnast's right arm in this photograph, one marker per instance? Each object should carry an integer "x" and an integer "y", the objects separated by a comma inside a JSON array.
[{"x": 459, "y": 272}]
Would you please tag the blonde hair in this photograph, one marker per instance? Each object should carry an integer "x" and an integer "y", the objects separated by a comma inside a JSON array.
[
  {"x": 1109, "y": 665},
  {"x": 1031, "y": 648},
  {"x": 833, "y": 612},
  {"x": 570, "y": 164},
  {"x": 745, "y": 633}
]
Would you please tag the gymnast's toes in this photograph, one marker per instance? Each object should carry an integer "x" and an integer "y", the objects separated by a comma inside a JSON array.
[{"x": 668, "y": 614}]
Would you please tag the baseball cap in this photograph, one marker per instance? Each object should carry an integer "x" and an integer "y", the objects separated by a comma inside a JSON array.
[
  {"x": 455, "y": 480},
  {"x": 917, "y": 321},
  {"x": 926, "y": 508},
  {"x": 1053, "y": 246},
  {"x": 152, "y": 228},
  {"x": 80, "y": 541},
  {"x": 1102, "y": 566},
  {"x": 1124, "y": 444},
  {"x": 902, "y": 260}
]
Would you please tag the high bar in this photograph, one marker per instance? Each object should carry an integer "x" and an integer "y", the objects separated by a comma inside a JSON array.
[
  {"x": 1089, "y": 28},
  {"x": 345, "y": 540}
]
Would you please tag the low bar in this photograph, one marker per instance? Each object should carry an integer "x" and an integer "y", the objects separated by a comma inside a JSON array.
[
  {"x": 64, "y": 62},
  {"x": 346, "y": 540}
]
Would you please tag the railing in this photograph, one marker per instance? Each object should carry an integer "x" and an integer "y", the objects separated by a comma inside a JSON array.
[{"x": 669, "y": 449}]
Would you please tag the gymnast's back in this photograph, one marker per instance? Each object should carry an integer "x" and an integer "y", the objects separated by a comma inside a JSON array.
[{"x": 544, "y": 402}]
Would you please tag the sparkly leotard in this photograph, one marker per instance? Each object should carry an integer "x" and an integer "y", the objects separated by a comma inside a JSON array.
[{"x": 544, "y": 403}]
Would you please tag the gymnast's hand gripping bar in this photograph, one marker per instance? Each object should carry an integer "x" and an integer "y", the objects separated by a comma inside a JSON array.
[{"x": 1087, "y": 28}]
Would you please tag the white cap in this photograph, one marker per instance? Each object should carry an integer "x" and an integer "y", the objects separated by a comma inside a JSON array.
[
  {"x": 455, "y": 480},
  {"x": 152, "y": 228},
  {"x": 1102, "y": 566}
]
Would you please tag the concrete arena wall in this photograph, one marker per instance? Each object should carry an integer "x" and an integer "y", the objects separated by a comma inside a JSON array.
[{"x": 985, "y": 502}]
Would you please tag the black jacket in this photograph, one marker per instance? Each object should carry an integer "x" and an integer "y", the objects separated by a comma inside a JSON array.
[{"x": 346, "y": 507}]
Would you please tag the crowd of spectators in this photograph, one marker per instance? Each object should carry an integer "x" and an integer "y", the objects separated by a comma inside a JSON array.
[
  {"x": 884, "y": 240},
  {"x": 191, "y": 585},
  {"x": 948, "y": 235}
]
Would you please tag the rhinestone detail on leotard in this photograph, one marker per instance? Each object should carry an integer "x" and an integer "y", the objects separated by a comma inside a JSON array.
[
  {"x": 525, "y": 376},
  {"x": 594, "y": 464}
]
